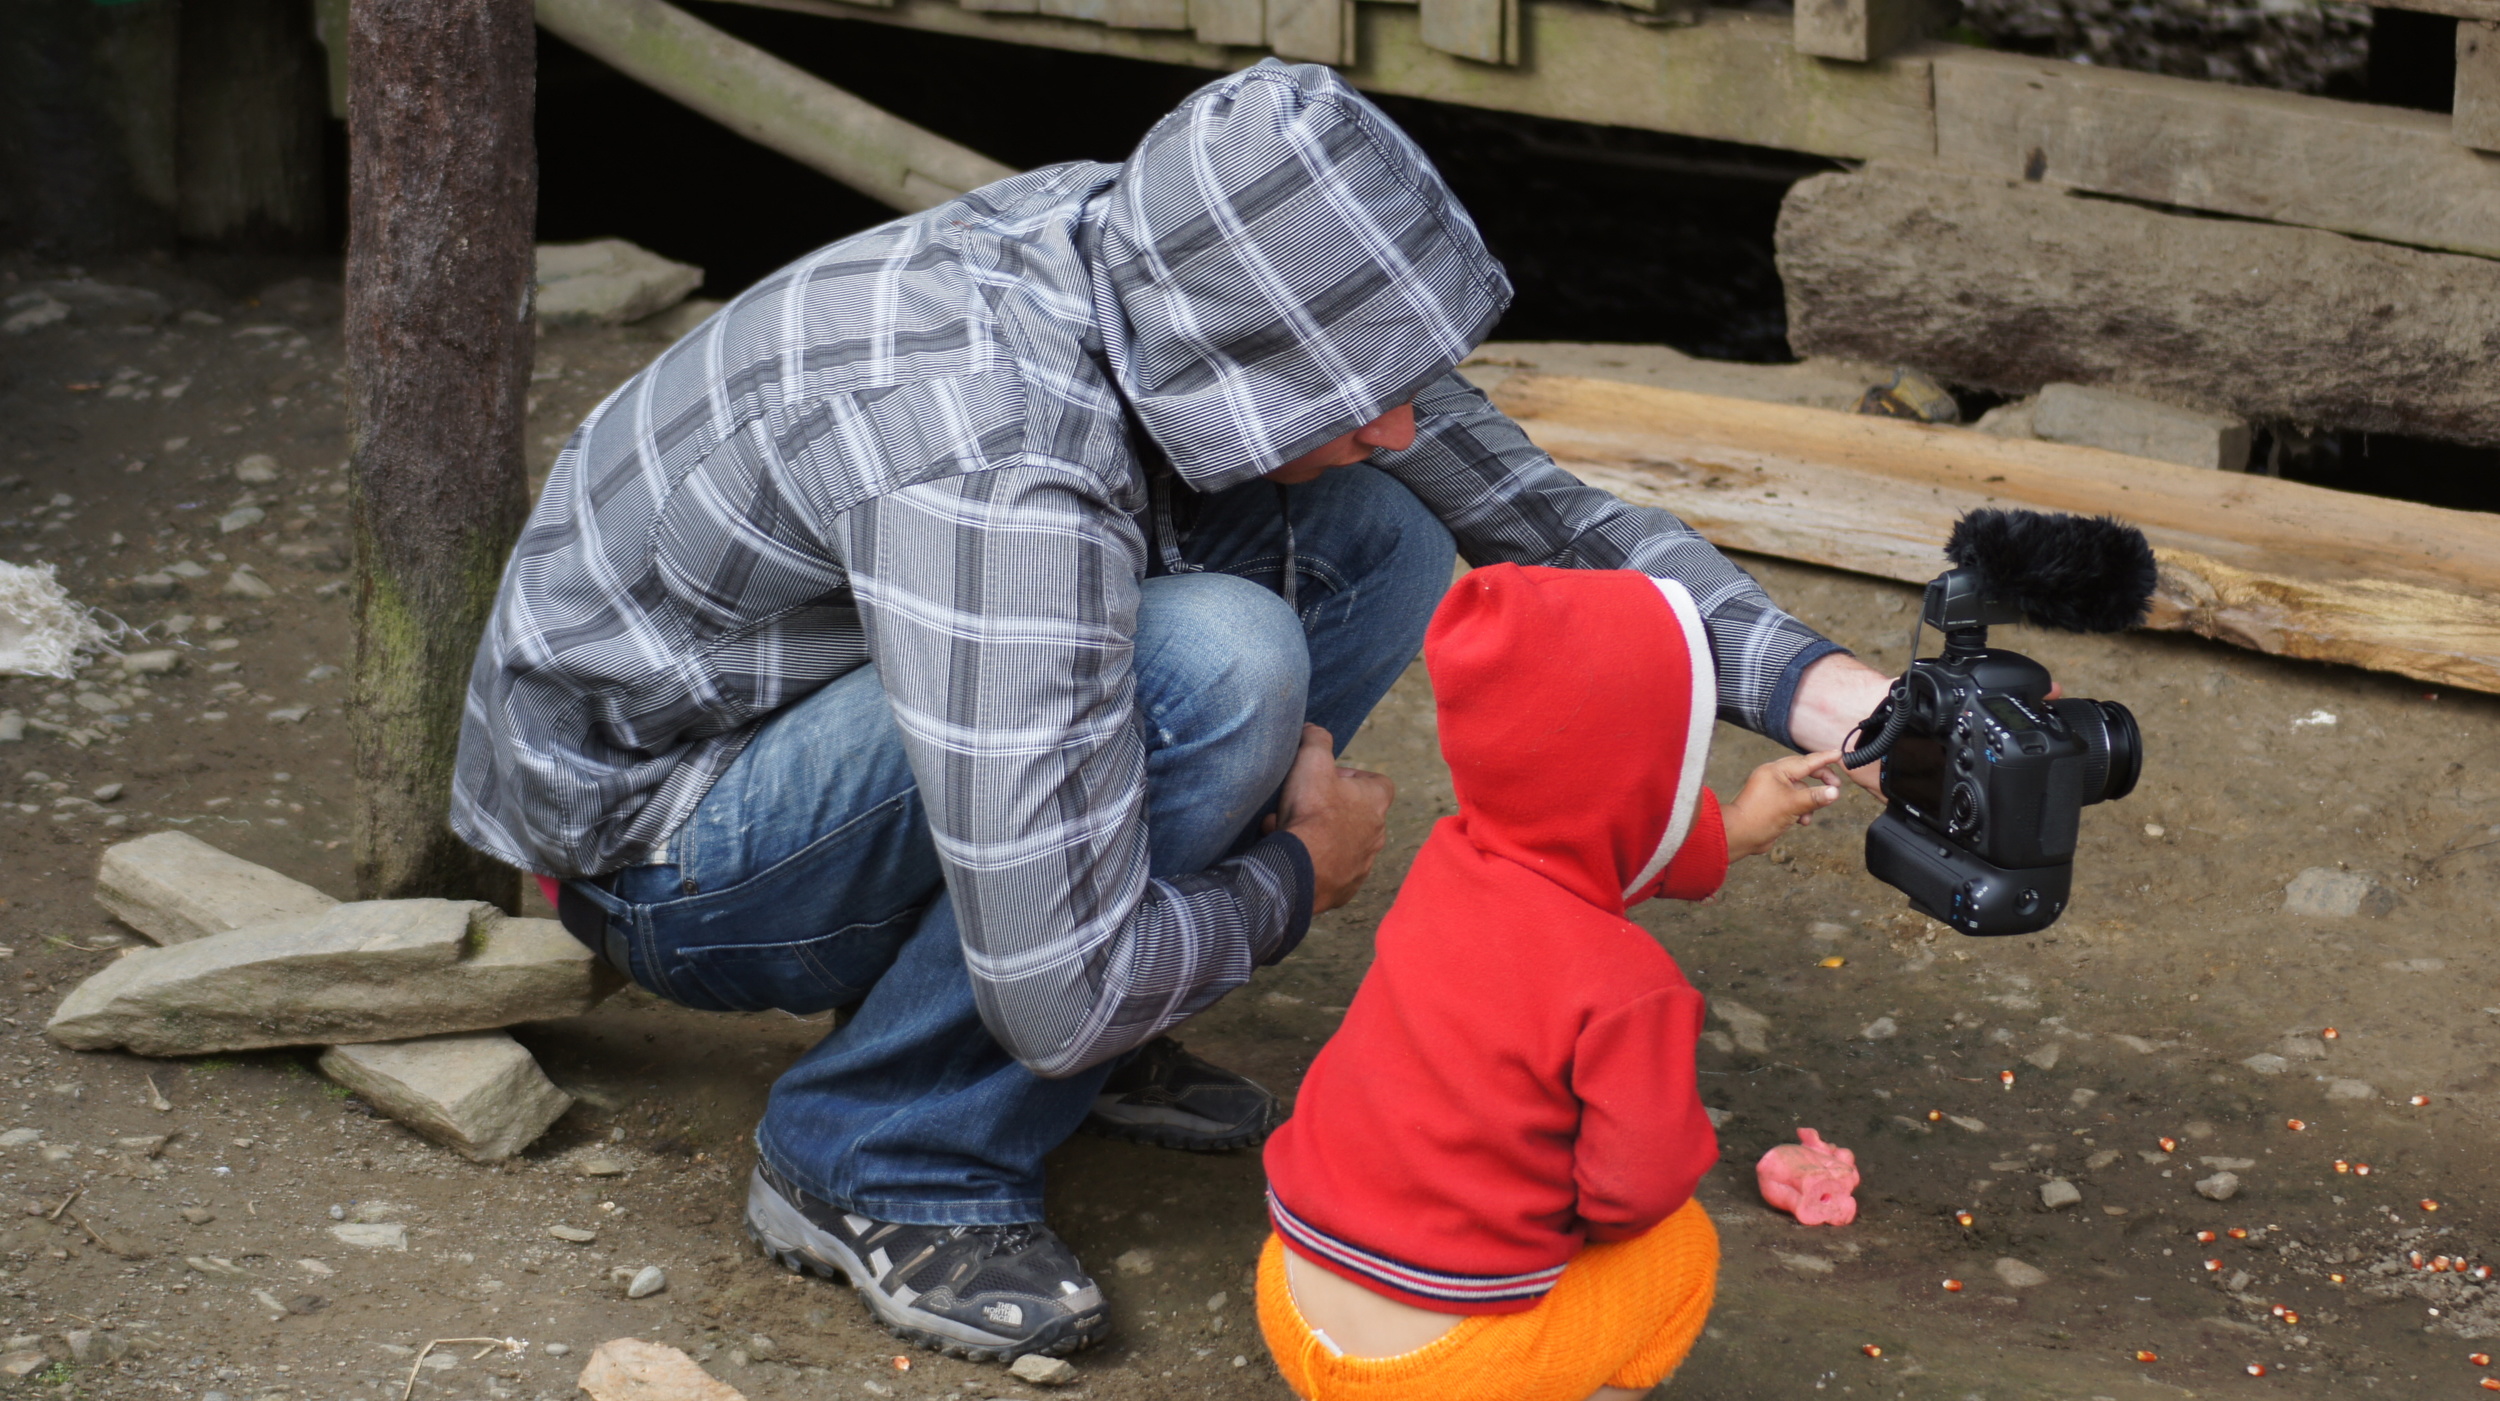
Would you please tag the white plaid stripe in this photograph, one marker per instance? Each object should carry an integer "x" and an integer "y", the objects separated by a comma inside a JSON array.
[{"x": 911, "y": 447}]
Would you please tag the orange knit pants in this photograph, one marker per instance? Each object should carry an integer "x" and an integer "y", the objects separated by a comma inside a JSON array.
[{"x": 1622, "y": 1315}]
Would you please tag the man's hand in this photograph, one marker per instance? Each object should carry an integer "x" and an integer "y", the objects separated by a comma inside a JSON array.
[
  {"x": 1340, "y": 815},
  {"x": 1832, "y": 697}
]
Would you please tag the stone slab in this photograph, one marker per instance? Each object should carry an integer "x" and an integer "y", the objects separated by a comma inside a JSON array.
[
  {"x": 2322, "y": 892},
  {"x": 629, "y": 1369},
  {"x": 2138, "y": 427},
  {"x": 607, "y": 282},
  {"x": 479, "y": 1093},
  {"x": 381, "y": 970},
  {"x": 2009, "y": 286},
  {"x": 173, "y": 888}
]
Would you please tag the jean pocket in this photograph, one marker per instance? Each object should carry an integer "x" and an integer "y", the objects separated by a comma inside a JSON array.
[{"x": 802, "y": 976}]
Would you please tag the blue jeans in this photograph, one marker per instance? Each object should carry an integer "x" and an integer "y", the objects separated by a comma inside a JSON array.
[{"x": 806, "y": 880}]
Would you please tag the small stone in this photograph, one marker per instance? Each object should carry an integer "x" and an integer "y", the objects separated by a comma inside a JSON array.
[
  {"x": 289, "y": 715},
  {"x": 607, "y": 282},
  {"x": 2018, "y": 1275},
  {"x": 19, "y": 1138},
  {"x": 2220, "y": 1187},
  {"x": 240, "y": 518},
  {"x": 1880, "y": 1029},
  {"x": 762, "y": 1348},
  {"x": 154, "y": 662},
  {"x": 372, "y": 1236},
  {"x": 601, "y": 1167},
  {"x": 647, "y": 1281},
  {"x": 2046, "y": 1057},
  {"x": 1804, "y": 1264},
  {"x": 245, "y": 584},
  {"x": 1825, "y": 931},
  {"x": 1750, "y": 1028},
  {"x": 574, "y": 1234},
  {"x": 187, "y": 569},
  {"x": 198, "y": 1215},
  {"x": 1135, "y": 1262},
  {"x": 2057, "y": 1193},
  {"x": 559, "y": 1349},
  {"x": 12, "y": 727},
  {"x": 2304, "y": 1048},
  {"x": 22, "y": 1364},
  {"x": 2102, "y": 1159},
  {"x": 2103, "y": 418},
  {"x": 2351, "y": 1089},
  {"x": 1966, "y": 1123},
  {"x": 145, "y": 588},
  {"x": 258, "y": 469},
  {"x": 2322, "y": 892},
  {"x": 106, "y": 792},
  {"x": 1044, "y": 1371},
  {"x": 1217, "y": 1301},
  {"x": 2267, "y": 1063}
]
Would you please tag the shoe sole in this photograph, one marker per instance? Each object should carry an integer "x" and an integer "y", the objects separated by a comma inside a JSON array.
[
  {"x": 1172, "y": 1136},
  {"x": 799, "y": 1245}
]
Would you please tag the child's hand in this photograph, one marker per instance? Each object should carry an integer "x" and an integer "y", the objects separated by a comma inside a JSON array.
[{"x": 1781, "y": 794}]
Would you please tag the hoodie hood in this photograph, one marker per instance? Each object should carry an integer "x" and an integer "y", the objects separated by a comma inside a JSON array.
[
  {"x": 1576, "y": 707},
  {"x": 1278, "y": 264}
]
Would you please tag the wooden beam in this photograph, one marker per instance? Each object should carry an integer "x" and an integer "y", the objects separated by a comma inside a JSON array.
[
  {"x": 1312, "y": 31},
  {"x": 2485, "y": 10},
  {"x": 2275, "y": 566},
  {"x": 1236, "y": 22},
  {"x": 2476, "y": 120},
  {"x": 1855, "y": 30},
  {"x": 1484, "y": 30},
  {"x": 2380, "y": 172},
  {"x": 772, "y": 102}
]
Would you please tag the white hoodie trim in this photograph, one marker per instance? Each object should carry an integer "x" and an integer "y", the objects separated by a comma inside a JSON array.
[{"x": 1704, "y": 713}]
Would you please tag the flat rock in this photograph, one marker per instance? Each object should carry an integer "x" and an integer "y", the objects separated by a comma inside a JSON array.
[
  {"x": 1044, "y": 1371},
  {"x": 2018, "y": 1275},
  {"x": 174, "y": 888},
  {"x": 2139, "y": 427},
  {"x": 629, "y": 1369},
  {"x": 2351, "y": 1089},
  {"x": 2322, "y": 892},
  {"x": 1750, "y": 1028},
  {"x": 607, "y": 282},
  {"x": 2046, "y": 1057},
  {"x": 372, "y": 1235},
  {"x": 377, "y": 970},
  {"x": 647, "y": 1281},
  {"x": 478, "y": 1093},
  {"x": 2057, "y": 1193},
  {"x": 2221, "y": 1187},
  {"x": 2267, "y": 1063}
]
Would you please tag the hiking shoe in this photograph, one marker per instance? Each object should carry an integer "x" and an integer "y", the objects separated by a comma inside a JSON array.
[
  {"x": 1169, "y": 1098},
  {"x": 982, "y": 1293}
]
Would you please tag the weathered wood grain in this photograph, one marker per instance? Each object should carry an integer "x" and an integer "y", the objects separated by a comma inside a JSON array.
[
  {"x": 1856, "y": 30},
  {"x": 1312, "y": 31},
  {"x": 2381, "y": 172},
  {"x": 1233, "y": 22},
  {"x": 2275, "y": 566},
  {"x": 1484, "y": 30},
  {"x": 2476, "y": 120}
]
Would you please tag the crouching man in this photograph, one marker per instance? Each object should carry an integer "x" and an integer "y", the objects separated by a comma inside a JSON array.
[{"x": 960, "y": 626}]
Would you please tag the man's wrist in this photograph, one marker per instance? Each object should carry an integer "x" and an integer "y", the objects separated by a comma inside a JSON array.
[{"x": 1834, "y": 693}]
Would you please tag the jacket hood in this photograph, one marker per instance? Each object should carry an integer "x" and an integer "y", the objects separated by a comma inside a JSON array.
[
  {"x": 1276, "y": 264},
  {"x": 1576, "y": 707}
]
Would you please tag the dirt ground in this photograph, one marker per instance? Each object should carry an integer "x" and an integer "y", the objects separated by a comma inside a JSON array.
[{"x": 2125, "y": 1025}]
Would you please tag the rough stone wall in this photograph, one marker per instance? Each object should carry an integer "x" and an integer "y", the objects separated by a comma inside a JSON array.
[{"x": 2297, "y": 45}]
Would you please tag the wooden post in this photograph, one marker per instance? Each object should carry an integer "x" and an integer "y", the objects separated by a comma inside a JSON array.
[
  {"x": 442, "y": 196},
  {"x": 1859, "y": 30},
  {"x": 253, "y": 92},
  {"x": 1484, "y": 30},
  {"x": 2476, "y": 122}
]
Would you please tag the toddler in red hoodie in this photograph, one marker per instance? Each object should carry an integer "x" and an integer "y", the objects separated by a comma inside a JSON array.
[{"x": 1485, "y": 1192}]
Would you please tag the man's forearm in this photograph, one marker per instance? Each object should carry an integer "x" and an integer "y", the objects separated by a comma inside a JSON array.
[{"x": 1832, "y": 697}]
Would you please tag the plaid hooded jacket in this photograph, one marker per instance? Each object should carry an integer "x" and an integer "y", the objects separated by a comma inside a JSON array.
[{"x": 914, "y": 447}]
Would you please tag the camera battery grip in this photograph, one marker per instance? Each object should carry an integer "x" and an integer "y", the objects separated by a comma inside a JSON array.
[{"x": 1953, "y": 885}]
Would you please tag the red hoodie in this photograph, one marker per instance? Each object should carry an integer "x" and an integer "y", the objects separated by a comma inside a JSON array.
[{"x": 1516, "y": 1073}]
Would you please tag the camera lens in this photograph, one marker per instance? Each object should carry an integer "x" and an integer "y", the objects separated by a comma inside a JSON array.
[{"x": 2113, "y": 746}]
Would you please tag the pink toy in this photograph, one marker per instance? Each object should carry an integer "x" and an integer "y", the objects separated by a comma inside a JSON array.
[{"x": 1810, "y": 1180}]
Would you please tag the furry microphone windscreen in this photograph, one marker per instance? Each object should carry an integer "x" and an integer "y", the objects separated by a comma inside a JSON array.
[{"x": 2078, "y": 573}]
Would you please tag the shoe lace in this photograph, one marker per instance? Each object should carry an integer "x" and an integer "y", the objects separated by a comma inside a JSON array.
[{"x": 1006, "y": 1240}]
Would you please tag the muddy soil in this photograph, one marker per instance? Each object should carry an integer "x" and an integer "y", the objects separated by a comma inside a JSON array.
[{"x": 212, "y": 1266}]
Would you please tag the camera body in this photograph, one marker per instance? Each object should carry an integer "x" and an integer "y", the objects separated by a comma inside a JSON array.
[{"x": 1985, "y": 777}]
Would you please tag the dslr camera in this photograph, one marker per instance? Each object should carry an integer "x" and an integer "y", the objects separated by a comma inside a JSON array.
[{"x": 1984, "y": 776}]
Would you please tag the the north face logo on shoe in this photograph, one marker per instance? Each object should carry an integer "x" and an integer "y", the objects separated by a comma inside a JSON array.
[{"x": 1004, "y": 1315}]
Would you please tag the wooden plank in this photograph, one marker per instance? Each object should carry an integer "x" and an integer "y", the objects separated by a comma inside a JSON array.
[
  {"x": 1123, "y": 14},
  {"x": 2485, "y": 10},
  {"x": 1855, "y": 30},
  {"x": 2476, "y": 120},
  {"x": 1484, "y": 30},
  {"x": 1237, "y": 22},
  {"x": 2380, "y": 172},
  {"x": 1734, "y": 77},
  {"x": 771, "y": 102},
  {"x": 1312, "y": 31},
  {"x": 2275, "y": 566}
]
